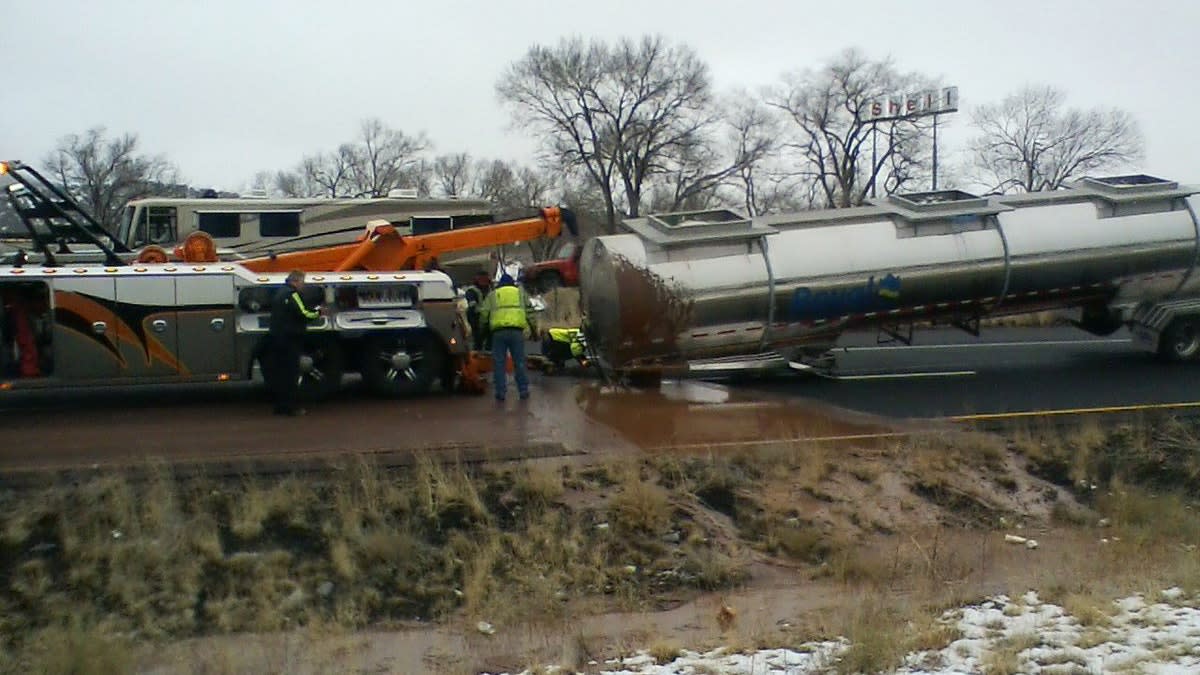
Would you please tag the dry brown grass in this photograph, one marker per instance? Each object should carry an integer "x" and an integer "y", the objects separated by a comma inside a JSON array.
[
  {"x": 166, "y": 558},
  {"x": 1005, "y": 658},
  {"x": 160, "y": 558},
  {"x": 74, "y": 648},
  {"x": 640, "y": 505},
  {"x": 1090, "y": 611},
  {"x": 664, "y": 651},
  {"x": 878, "y": 629}
]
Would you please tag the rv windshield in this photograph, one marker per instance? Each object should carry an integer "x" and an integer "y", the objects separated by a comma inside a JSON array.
[
  {"x": 152, "y": 225},
  {"x": 125, "y": 226}
]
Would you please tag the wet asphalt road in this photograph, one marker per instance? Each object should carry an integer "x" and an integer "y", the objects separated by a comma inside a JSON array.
[
  {"x": 945, "y": 373},
  {"x": 1005, "y": 370}
]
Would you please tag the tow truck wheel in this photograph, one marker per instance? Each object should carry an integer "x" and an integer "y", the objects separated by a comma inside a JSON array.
[
  {"x": 1181, "y": 340},
  {"x": 321, "y": 367},
  {"x": 402, "y": 364}
]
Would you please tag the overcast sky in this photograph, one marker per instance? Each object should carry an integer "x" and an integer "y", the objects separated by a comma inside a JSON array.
[{"x": 225, "y": 88}]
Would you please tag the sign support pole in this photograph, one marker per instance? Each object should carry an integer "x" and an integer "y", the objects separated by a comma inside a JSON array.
[
  {"x": 874, "y": 152},
  {"x": 935, "y": 120}
]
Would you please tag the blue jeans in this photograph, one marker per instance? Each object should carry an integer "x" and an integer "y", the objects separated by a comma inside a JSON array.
[{"x": 507, "y": 341}]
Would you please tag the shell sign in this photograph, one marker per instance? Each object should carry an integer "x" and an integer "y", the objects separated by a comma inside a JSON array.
[{"x": 930, "y": 102}]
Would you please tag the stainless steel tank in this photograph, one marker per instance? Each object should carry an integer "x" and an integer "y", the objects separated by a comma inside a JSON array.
[{"x": 678, "y": 288}]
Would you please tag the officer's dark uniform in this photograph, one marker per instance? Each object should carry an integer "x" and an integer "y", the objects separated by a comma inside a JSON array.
[{"x": 285, "y": 340}]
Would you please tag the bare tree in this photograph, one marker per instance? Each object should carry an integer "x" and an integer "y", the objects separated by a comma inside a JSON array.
[
  {"x": 102, "y": 173},
  {"x": 724, "y": 159},
  {"x": 552, "y": 92},
  {"x": 754, "y": 134},
  {"x": 833, "y": 135},
  {"x": 513, "y": 189},
  {"x": 297, "y": 183},
  {"x": 531, "y": 188},
  {"x": 493, "y": 180},
  {"x": 1029, "y": 142},
  {"x": 320, "y": 175},
  {"x": 384, "y": 158},
  {"x": 453, "y": 173},
  {"x": 622, "y": 114},
  {"x": 420, "y": 177},
  {"x": 380, "y": 160},
  {"x": 528, "y": 189}
]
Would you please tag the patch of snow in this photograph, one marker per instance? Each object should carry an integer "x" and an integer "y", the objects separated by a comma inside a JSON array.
[{"x": 1157, "y": 638}]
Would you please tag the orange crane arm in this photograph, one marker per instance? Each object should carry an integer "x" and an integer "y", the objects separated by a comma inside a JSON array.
[{"x": 383, "y": 249}]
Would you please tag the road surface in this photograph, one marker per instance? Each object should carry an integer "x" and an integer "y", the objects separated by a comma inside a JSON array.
[
  {"x": 945, "y": 374},
  {"x": 1007, "y": 370}
]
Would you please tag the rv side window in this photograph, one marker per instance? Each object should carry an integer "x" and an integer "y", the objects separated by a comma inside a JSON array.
[
  {"x": 220, "y": 225},
  {"x": 279, "y": 224},
  {"x": 430, "y": 224}
]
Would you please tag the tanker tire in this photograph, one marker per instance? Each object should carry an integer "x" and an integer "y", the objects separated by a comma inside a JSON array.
[
  {"x": 386, "y": 377},
  {"x": 322, "y": 378},
  {"x": 1181, "y": 340}
]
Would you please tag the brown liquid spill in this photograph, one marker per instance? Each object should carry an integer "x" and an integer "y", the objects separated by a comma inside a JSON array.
[
  {"x": 235, "y": 424},
  {"x": 699, "y": 416}
]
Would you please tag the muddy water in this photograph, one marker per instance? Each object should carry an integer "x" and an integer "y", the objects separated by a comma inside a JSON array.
[
  {"x": 563, "y": 416},
  {"x": 702, "y": 416}
]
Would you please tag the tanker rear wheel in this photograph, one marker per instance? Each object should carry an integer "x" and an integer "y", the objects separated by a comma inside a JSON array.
[{"x": 1181, "y": 340}]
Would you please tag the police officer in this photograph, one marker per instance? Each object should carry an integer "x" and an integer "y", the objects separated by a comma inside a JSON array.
[
  {"x": 507, "y": 314},
  {"x": 285, "y": 343}
]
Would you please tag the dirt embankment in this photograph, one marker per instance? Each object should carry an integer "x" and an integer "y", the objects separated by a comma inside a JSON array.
[{"x": 785, "y": 531}]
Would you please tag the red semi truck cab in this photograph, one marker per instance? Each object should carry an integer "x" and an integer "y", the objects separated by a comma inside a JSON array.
[{"x": 562, "y": 270}]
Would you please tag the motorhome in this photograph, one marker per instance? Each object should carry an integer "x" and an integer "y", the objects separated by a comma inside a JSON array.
[{"x": 250, "y": 227}]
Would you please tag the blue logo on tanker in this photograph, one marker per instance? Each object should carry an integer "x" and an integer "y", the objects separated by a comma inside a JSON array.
[{"x": 869, "y": 297}]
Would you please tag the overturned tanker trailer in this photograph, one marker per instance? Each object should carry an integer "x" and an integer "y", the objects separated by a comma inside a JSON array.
[{"x": 706, "y": 293}]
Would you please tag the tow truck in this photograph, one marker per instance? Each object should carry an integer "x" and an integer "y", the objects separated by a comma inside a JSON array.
[{"x": 153, "y": 316}]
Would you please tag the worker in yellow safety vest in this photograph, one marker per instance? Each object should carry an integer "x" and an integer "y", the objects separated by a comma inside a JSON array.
[{"x": 508, "y": 316}]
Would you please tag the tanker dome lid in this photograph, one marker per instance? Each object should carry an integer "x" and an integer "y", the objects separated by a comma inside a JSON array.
[
  {"x": 1131, "y": 180},
  {"x": 688, "y": 227},
  {"x": 954, "y": 199},
  {"x": 939, "y": 204},
  {"x": 696, "y": 219},
  {"x": 1136, "y": 186}
]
